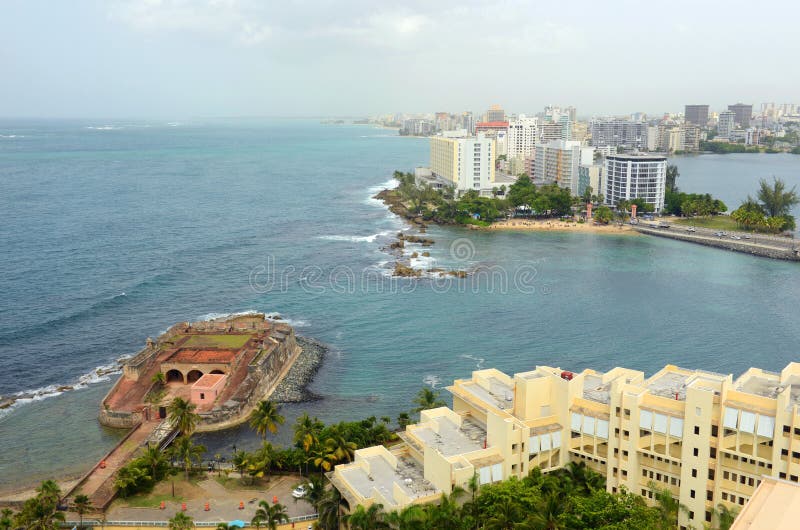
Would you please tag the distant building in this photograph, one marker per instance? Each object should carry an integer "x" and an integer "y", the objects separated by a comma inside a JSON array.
[
  {"x": 691, "y": 138},
  {"x": 726, "y": 124},
  {"x": 468, "y": 122},
  {"x": 466, "y": 163},
  {"x": 696, "y": 114},
  {"x": 418, "y": 127},
  {"x": 590, "y": 176},
  {"x": 652, "y": 138},
  {"x": 635, "y": 177},
  {"x": 495, "y": 113},
  {"x": 580, "y": 131},
  {"x": 619, "y": 133},
  {"x": 743, "y": 114},
  {"x": 521, "y": 138},
  {"x": 558, "y": 161},
  {"x": 551, "y": 131}
]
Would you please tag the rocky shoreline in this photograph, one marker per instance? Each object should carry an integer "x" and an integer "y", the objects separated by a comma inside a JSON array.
[{"x": 293, "y": 388}]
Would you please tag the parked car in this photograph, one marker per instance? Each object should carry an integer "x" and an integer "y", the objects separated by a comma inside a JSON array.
[{"x": 301, "y": 491}]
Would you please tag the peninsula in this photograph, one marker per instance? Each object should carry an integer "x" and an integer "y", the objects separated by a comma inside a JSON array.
[{"x": 222, "y": 366}]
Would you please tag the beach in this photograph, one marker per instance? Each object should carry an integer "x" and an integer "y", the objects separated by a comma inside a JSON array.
[{"x": 555, "y": 225}]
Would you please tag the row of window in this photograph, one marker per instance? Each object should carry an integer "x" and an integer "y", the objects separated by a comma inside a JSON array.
[
  {"x": 741, "y": 479},
  {"x": 666, "y": 479}
]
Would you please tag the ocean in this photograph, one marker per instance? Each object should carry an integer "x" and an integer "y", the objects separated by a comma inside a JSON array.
[{"x": 111, "y": 231}]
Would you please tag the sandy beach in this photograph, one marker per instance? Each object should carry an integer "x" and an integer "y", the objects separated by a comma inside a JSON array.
[{"x": 553, "y": 225}]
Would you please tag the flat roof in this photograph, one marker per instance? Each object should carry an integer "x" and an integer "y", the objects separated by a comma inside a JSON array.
[
  {"x": 382, "y": 476},
  {"x": 595, "y": 390},
  {"x": 768, "y": 387},
  {"x": 499, "y": 394},
  {"x": 452, "y": 440},
  {"x": 668, "y": 384},
  {"x": 208, "y": 381},
  {"x": 775, "y": 505},
  {"x": 188, "y": 355}
]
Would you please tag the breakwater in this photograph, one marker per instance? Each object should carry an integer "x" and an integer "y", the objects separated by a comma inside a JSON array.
[
  {"x": 294, "y": 386},
  {"x": 775, "y": 249}
]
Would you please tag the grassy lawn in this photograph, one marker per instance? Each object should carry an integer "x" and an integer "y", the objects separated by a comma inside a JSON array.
[
  {"x": 217, "y": 341},
  {"x": 151, "y": 500},
  {"x": 163, "y": 492},
  {"x": 717, "y": 222},
  {"x": 233, "y": 483}
]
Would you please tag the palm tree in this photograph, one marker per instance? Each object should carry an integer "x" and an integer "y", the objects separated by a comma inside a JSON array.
[
  {"x": 49, "y": 491},
  {"x": 324, "y": 459},
  {"x": 182, "y": 415},
  {"x": 547, "y": 516},
  {"x": 129, "y": 479},
  {"x": 447, "y": 513},
  {"x": 505, "y": 517},
  {"x": 412, "y": 517},
  {"x": 428, "y": 398},
  {"x": 187, "y": 452},
  {"x": 403, "y": 420},
  {"x": 82, "y": 505},
  {"x": 5, "y": 519},
  {"x": 328, "y": 509},
  {"x": 315, "y": 489},
  {"x": 154, "y": 459},
  {"x": 341, "y": 448},
  {"x": 262, "y": 460},
  {"x": 775, "y": 200},
  {"x": 668, "y": 506},
  {"x": 270, "y": 515},
  {"x": 266, "y": 418},
  {"x": 306, "y": 434},
  {"x": 240, "y": 461},
  {"x": 725, "y": 516},
  {"x": 226, "y": 526},
  {"x": 159, "y": 378},
  {"x": 181, "y": 521},
  {"x": 372, "y": 518}
]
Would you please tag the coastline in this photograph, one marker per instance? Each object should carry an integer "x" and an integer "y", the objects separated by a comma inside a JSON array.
[
  {"x": 291, "y": 389},
  {"x": 555, "y": 225}
]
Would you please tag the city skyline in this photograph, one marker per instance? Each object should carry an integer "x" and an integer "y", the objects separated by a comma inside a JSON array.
[{"x": 172, "y": 58}]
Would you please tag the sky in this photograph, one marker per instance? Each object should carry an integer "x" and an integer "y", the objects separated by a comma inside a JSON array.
[{"x": 212, "y": 58}]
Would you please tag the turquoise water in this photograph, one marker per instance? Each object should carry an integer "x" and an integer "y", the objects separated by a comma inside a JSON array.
[{"x": 111, "y": 235}]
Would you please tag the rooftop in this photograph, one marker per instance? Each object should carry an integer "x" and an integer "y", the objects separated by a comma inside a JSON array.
[
  {"x": 452, "y": 440},
  {"x": 595, "y": 390},
  {"x": 774, "y": 506},
  {"x": 668, "y": 384},
  {"x": 208, "y": 381},
  {"x": 187, "y": 355},
  {"x": 499, "y": 394},
  {"x": 382, "y": 477},
  {"x": 760, "y": 386}
]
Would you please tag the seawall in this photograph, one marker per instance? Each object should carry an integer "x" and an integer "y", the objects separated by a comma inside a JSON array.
[{"x": 788, "y": 252}]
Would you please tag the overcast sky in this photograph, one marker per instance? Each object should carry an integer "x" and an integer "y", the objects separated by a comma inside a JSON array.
[{"x": 202, "y": 58}]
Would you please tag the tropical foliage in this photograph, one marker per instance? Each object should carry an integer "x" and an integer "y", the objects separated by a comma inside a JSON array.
[
  {"x": 266, "y": 418},
  {"x": 40, "y": 512},
  {"x": 183, "y": 416},
  {"x": 770, "y": 211},
  {"x": 270, "y": 515}
]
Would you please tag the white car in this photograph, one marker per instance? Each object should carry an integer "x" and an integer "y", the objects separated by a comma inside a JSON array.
[{"x": 300, "y": 491}]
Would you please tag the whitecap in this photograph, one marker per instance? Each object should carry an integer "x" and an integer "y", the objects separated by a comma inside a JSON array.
[
  {"x": 356, "y": 239},
  {"x": 431, "y": 380}
]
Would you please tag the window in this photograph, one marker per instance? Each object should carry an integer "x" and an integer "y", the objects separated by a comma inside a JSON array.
[
  {"x": 714, "y": 431},
  {"x": 698, "y": 411},
  {"x": 697, "y": 429},
  {"x": 793, "y": 478},
  {"x": 202, "y": 395},
  {"x": 691, "y": 493},
  {"x": 708, "y": 515},
  {"x": 710, "y": 474},
  {"x": 713, "y": 452},
  {"x": 695, "y": 451},
  {"x": 709, "y": 495},
  {"x": 694, "y": 473},
  {"x": 628, "y": 414},
  {"x": 787, "y": 429},
  {"x": 691, "y": 516}
]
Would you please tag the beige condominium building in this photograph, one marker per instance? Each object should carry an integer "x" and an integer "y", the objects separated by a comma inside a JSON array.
[{"x": 707, "y": 438}]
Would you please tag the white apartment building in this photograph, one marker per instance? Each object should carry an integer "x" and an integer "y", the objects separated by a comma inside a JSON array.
[
  {"x": 726, "y": 124},
  {"x": 467, "y": 163},
  {"x": 635, "y": 176},
  {"x": 521, "y": 137},
  {"x": 558, "y": 161}
]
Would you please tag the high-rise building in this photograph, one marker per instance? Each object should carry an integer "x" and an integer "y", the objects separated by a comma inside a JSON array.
[
  {"x": 580, "y": 131},
  {"x": 743, "y": 114},
  {"x": 521, "y": 138},
  {"x": 468, "y": 122},
  {"x": 635, "y": 176},
  {"x": 550, "y": 131},
  {"x": 696, "y": 114},
  {"x": 726, "y": 124},
  {"x": 495, "y": 113},
  {"x": 618, "y": 133},
  {"x": 558, "y": 161},
  {"x": 707, "y": 438},
  {"x": 467, "y": 163}
]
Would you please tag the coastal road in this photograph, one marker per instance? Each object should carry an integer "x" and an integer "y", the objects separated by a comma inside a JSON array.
[{"x": 765, "y": 245}]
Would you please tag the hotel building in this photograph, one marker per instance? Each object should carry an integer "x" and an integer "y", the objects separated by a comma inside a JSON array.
[
  {"x": 558, "y": 161},
  {"x": 635, "y": 177},
  {"x": 707, "y": 438},
  {"x": 466, "y": 163},
  {"x": 521, "y": 137}
]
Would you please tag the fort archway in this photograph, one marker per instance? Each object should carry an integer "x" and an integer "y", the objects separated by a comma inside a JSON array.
[
  {"x": 217, "y": 372},
  {"x": 193, "y": 376},
  {"x": 175, "y": 376}
]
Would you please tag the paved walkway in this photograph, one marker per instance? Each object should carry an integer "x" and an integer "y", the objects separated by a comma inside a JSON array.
[{"x": 99, "y": 484}]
